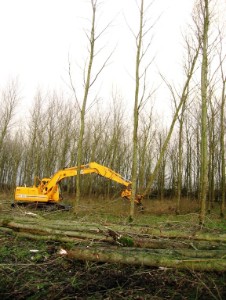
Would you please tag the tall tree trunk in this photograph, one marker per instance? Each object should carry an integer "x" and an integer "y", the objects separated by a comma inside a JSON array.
[
  {"x": 83, "y": 108},
  {"x": 180, "y": 163},
  {"x": 222, "y": 143},
  {"x": 204, "y": 83},
  {"x": 212, "y": 158},
  {"x": 136, "y": 112}
]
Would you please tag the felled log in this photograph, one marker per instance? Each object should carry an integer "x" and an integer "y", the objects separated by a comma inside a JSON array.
[
  {"x": 137, "y": 231},
  {"x": 147, "y": 257},
  {"x": 44, "y": 230},
  {"x": 96, "y": 232}
]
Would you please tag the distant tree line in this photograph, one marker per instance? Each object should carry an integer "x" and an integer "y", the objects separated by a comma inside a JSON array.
[{"x": 47, "y": 139}]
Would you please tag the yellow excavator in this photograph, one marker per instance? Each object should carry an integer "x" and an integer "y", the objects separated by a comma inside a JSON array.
[{"x": 47, "y": 190}]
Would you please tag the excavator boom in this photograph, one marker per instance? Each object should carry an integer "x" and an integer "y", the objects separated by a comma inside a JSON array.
[{"x": 90, "y": 168}]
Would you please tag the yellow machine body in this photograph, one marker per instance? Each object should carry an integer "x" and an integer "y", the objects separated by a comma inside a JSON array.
[
  {"x": 29, "y": 194},
  {"x": 48, "y": 190}
]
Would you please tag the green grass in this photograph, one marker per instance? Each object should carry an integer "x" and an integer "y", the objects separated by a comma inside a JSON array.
[{"x": 101, "y": 210}]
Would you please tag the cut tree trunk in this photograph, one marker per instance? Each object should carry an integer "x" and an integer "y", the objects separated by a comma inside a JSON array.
[{"x": 148, "y": 258}]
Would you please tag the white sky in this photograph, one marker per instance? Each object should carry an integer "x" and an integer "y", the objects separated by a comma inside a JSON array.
[{"x": 37, "y": 36}]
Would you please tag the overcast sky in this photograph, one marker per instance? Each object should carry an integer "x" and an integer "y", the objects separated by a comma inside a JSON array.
[{"x": 37, "y": 36}]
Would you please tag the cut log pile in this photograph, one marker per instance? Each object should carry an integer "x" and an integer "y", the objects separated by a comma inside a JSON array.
[{"x": 164, "y": 247}]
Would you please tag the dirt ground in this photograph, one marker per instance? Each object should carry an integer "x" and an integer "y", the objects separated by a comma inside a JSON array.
[{"x": 36, "y": 270}]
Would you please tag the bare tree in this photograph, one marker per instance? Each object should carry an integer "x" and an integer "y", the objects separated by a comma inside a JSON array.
[
  {"x": 89, "y": 79},
  {"x": 140, "y": 96},
  {"x": 212, "y": 164},
  {"x": 68, "y": 131},
  {"x": 222, "y": 139},
  {"x": 182, "y": 98},
  {"x": 9, "y": 101},
  {"x": 202, "y": 19},
  {"x": 146, "y": 151},
  {"x": 33, "y": 159}
]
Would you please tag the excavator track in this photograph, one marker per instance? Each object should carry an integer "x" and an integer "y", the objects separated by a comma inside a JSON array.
[{"x": 43, "y": 206}]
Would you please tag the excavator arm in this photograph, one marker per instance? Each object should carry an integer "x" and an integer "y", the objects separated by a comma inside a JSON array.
[{"x": 90, "y": 168}]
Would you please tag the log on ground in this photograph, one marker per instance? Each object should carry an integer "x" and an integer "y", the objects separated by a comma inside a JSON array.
[{"x": 147, "y": 257}]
